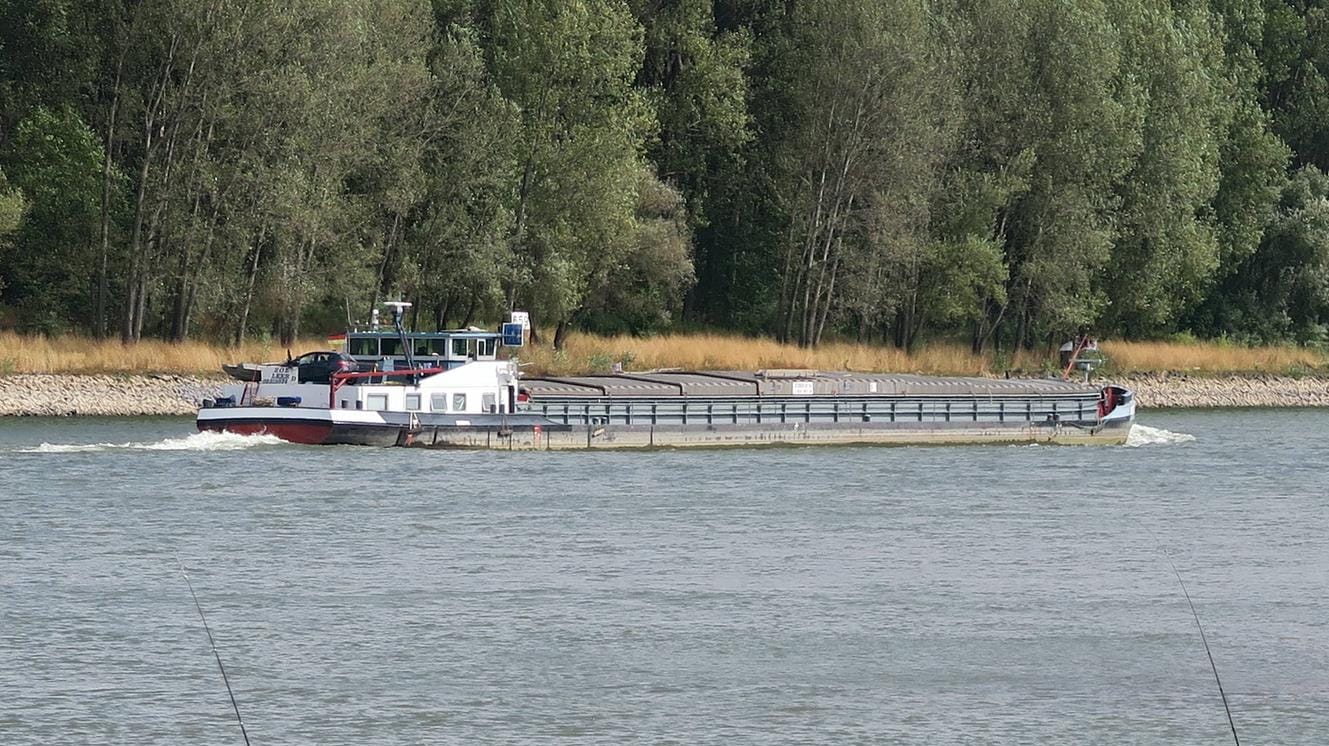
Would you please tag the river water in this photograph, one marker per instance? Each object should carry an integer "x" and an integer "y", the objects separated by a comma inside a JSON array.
[{"x": 826, "y": 595}]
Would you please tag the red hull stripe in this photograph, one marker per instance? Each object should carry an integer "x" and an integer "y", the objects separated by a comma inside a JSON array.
[{"x": 309, "y": 433}]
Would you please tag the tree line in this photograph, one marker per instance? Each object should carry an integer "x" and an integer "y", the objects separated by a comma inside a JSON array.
[{"x": 1001, "y": 171}]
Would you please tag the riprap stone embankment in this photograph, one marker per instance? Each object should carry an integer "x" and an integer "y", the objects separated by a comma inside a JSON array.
[
  {"x": 139, "y": 395},
  {"x": 71, "y": 395},
  {"x": 1169, "y": 390}
]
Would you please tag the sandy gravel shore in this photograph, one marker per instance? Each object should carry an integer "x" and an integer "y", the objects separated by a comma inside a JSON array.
[
  {"x": 62, "y": 395},
  {"x": 68, "y": 395},
  {"x": 1167, "y": 390}
]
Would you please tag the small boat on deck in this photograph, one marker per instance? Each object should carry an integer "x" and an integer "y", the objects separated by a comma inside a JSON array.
[
  {"x": 248, "y": 372},
  {"x": 459, "y": 394}
]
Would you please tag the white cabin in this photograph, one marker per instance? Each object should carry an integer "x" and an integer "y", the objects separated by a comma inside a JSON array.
[{"x": 477, "y": 387}]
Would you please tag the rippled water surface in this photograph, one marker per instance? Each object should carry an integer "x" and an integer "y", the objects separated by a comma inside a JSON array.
[{"x": 828, "y": 595}]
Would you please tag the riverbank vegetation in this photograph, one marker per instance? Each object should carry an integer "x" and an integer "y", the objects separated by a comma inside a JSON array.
[
  {"x": 23, "y": 353},
  {"x": 589, "y": 352},
  {"x": 1002, "y": 172},
  {"x": 593, "y": 353}
]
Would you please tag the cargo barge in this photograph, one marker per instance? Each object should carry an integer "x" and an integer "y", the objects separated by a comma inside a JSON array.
[
  {"x": 809, "y": 407},
  {"x": 468, "y": 398}
]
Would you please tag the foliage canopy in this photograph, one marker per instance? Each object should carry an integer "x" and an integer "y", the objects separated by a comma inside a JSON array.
[{"x": 998, "y": 171}]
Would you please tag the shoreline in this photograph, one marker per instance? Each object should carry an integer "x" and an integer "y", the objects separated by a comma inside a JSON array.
[
  {"x": 1232, "y": 391},
  {"x": 70, "y": 395}
]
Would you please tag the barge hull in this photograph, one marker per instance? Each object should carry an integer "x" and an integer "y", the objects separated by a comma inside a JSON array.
[{"x": 608, "y": 437}]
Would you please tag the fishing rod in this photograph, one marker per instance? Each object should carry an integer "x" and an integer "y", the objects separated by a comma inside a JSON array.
[
  {"x": 1231, "y": 724},
  {"x": 215, "y": 654}
]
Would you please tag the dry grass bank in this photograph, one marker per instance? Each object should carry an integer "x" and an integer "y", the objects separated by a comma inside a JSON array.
[
  {"x": 720, "y": 351},
  {"x": 38, "y": 354},
  {"x": 588, "y": 352},
  {"x": 1212, "y": 358},
  {"x": 732, "y": 352}
]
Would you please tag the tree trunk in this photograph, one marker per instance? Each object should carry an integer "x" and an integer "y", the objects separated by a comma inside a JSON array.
[
  {"x": 135, "y": 283},
  {"x": 1021, "y": 326},
  {"x": 470, "y": 312},
  {"x": 826, "y": 309},
  {"x": 519, "y": 230},
  {"x": 135, "y": 260},
  {"x": 103, "y": 284},
  {"x": 561, "y": 334},
  {"x": 196, "y": 277},
  {"x": 290, "y": 330},
  {"x": 381, "y": 287},
  {"x": 182, "y": 273},
  {"x": 535, "y": 335},
  {"x": 986, "y": 325},
  {"x": 809, "y": 262},
  {"x": 185, "y": 275},
  {"x": 178, "y": 300},
  {"x": 243, "y": 321},
  {"x": 142, "y": 305},
  {"x": 789, "y": 306},
  {"x": 441, "y": 321},
  {"x": 524, "y": 195}
]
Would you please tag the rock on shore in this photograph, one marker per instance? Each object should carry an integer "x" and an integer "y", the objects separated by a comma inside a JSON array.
[
  {"x": 65, "y": 395},
  {"x": 1165, "y": 390},
  {"x": 70, "y": 395}
]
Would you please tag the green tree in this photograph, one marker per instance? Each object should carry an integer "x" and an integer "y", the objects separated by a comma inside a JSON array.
[
  {"x": 1281, "y": 291},
  {"x": 644, "y": 292},
  {"x": 1253, "y": 160},
  {"x": 1294, "y": 53},
  {"x": 1051, "y": 126},
  {"x": 49, "y": 52},
  {"x": 459, "y": 253},
  {"x": 1167, "y": 243},
  {"x": 568, "y": 67},
  {"x": 859, "y": 153},
  {"x": 272, "y": 161},
  {"x": 12, "y": 207},
  {"x": 56, "y": 161},
  {"x": 694, "y": 75}
]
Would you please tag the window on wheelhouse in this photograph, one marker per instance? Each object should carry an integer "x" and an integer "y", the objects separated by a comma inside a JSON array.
[
  {"x": 363, "y": 346},
  {"x": 390, "y": 346},
  {"x": 459, "y": 348}
]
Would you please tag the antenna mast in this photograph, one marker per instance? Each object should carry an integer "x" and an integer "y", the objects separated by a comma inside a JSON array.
[{"x": 398, "y": 313}]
